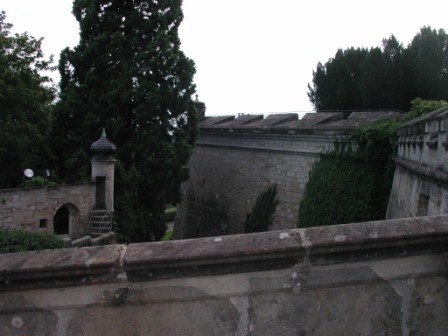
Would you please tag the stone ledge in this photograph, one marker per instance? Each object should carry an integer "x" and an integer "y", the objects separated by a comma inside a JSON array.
[
  {"x": 376, "y": 240},
  {"x": 279, "y": 249},
  {"x": 70, "y": 266},
  {"x": 424, "y": 171},
  {"x": 225, "y": 255},
  {"x": 213, "y": 255}
]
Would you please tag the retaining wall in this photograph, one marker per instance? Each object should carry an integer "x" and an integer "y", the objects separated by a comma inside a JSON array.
[
  {"x": 33, "y": 209},
  {"x": 375, "y": 278}
]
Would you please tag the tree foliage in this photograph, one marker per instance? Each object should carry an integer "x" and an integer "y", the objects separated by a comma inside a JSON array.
[
  {"x": 261, "y": 215},
  {"x": 341, "y": 77},
  {"x": 25, "y": 105},
  {"x": 129, "y": 75},
  {"x": 384, "y": 78}
]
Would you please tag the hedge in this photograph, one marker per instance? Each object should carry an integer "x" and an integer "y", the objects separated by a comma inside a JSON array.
[{"x": 22, "y": 241}]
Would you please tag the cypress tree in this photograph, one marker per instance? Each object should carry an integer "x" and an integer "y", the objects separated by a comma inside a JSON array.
[
  {"x": 128, "y": 74},
  {"x": 261, "y": 215}
]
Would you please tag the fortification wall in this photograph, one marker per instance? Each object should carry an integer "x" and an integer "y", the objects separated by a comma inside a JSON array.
[
  {"x": 420, "y": 184},
  {"x": 376, "y": 278},
  {"x": 236, "y": 159},
  {"x": 33, "y": 209}
]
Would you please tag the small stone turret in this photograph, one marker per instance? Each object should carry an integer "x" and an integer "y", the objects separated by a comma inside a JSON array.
[
  {"x": 103, "y": 166},
  {"x": 200, "y": 108}
]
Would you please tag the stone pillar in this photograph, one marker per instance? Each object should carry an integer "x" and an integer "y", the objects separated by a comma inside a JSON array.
[{"x": 103, "y": 166}]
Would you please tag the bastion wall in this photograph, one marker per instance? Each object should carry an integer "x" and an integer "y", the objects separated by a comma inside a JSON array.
[
  {"x": 373, "y": 278},
  {"x": 237, "y": 158}
]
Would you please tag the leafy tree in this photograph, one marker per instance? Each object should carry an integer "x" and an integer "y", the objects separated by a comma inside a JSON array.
[
  {"x": 25, "y": 104},
  {"x": 129, "y": 75},
  {"x": 260, "y": 217}
]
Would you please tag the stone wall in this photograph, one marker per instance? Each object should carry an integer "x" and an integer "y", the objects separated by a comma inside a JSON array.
[
  {"x": 33, "y": 209},
  {"x": 375, "y": 278},
  {"x": 420, "y": 184},
  {"x": 236, "y": 159}
]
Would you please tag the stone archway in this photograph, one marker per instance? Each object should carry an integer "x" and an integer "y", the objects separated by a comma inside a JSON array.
[{"x": 65, "y": 219}]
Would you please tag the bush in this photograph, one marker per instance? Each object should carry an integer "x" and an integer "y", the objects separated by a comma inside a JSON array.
[
  {"x": 421, "y": 107},
  {"x": 38, "y": 181},
  {"x": 22, "y": 241},
  {"x": 260, "y": 218}
]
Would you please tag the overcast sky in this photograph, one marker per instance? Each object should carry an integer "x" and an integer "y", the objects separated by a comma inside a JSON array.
[{"x": 254, "y": 56}]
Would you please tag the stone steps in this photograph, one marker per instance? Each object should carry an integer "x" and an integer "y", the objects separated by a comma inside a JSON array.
[{"x": 100, "y": 222}]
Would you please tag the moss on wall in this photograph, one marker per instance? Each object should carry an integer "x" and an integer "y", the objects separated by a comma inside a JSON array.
[{"x": 347, "y": 185}]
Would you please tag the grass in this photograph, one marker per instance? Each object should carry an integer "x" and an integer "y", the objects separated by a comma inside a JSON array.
[{"x": 167, "y": 235}]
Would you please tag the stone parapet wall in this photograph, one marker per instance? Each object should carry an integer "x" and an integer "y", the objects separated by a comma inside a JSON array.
[
  {"x": 33, "y": 209},
  {"x": 237, "y": 158},
  {"x": 385, "y": 277},
  {"x": 420, "y": 184},
  {"x": 425, "y": 140}
]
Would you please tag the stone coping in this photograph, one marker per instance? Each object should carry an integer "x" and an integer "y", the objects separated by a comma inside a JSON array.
[
  {"x": 289, "y": 122},
  {"x": 224, "y": 255}
]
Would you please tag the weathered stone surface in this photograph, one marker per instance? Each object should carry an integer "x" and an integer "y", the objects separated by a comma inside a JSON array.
[
  {"x": 364, "y": 309},
  {"x": 25, "y": 208},
  {"x": 212, "y": 255},
  {"x": 431, "y": 298},
  {"x": 83, "y": 241},
  {"x": 19, "y": 316},
  {"x": 60, "y": 267},
  {"x": 147, "y": 311},
  {"x": 104, "y": 239}
]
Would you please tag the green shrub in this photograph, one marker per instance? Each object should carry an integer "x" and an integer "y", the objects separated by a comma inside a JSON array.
[
  {"x": 38, "y": 181},
  {"x": 421, "y": 107},
  {"x": 260, "y": 218},
  {"x": 21, "y": 241}
]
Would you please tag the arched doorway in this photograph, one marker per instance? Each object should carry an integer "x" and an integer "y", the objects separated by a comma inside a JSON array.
[{"x": 61, "y": 221}]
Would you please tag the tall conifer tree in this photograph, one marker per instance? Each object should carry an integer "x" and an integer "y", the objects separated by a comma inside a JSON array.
[
  {"x": 129, "y": 75},
  {"x": 386, "y": 78}
]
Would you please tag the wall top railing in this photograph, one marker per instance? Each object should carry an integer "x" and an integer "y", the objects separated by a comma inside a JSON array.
[
  {"x": 223, "y": 255},
  {"x": 433, "y": 122}
]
